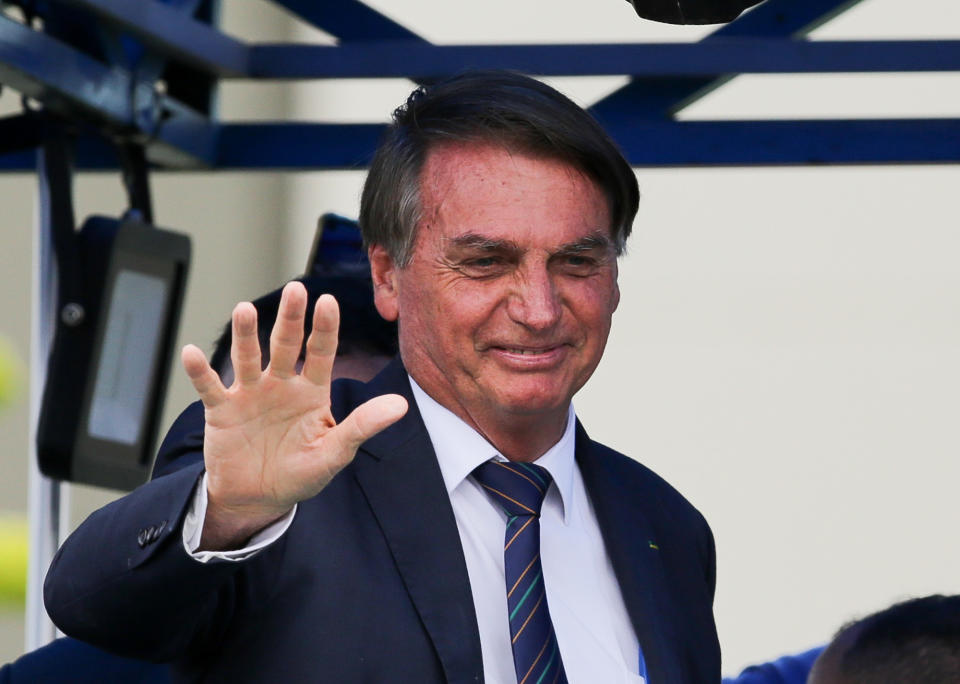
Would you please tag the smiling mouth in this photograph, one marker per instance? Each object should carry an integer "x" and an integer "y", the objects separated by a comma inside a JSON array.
[{"x": 527, "y": 351}]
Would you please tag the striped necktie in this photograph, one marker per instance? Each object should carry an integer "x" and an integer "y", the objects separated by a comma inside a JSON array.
[{"x": 519, "y": 488}]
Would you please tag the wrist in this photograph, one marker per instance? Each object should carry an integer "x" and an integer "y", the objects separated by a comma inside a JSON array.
[{"x": 228, "y": 527}]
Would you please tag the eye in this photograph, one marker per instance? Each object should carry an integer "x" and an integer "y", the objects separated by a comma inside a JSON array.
[
  {"x": 580, "y": 265},
  {"x": 483, "y": 266},
  {"x": 483, "y": 262}
]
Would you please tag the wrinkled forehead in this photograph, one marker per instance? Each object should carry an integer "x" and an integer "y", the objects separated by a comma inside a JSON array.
[
  {"x": 449, "y": 158},
  {"x": 485, "y": 180}
]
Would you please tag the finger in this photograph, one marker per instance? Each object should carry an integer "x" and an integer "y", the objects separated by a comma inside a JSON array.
[
  {"x": 365, "y": 421},
  {"x": 287, "y": 334},
  {"x": 245, "y": 350},
  {"x": 322, "y": 343},
  {"x": 205, "y": 380}
]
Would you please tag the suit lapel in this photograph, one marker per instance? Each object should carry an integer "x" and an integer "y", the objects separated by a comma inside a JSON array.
[
  {"x": 399, "y": 475},
  {"x": 630, "y": 541}
]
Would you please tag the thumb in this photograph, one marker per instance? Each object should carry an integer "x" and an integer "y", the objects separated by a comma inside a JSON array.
[{"x": 368, "y": 419}]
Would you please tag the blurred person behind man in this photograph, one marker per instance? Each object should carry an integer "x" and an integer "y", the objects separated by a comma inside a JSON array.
[
  {"x": 366, "y": 342},
  {"x": 913, "y": 642}
]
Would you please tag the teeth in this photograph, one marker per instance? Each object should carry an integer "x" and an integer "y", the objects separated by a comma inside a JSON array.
[{"x": 525, "y": 352}]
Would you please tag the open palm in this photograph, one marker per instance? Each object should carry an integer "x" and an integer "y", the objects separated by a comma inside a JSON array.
[{"x": 270, "y": 438}]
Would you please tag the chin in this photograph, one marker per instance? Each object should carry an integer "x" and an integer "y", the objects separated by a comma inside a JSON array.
[{"x": 533, "y": 403}]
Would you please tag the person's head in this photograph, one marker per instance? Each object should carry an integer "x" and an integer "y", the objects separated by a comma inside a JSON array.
[
  {"x": 494, "y": 213},
  {"x": 917, "y": 641},
  {"x": 500, "y": 108},
  {"x": 366, "y": 342}
]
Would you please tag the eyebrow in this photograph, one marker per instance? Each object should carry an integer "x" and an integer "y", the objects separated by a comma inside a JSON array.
[
  {"x": 596, "y": 240},
  {"x": 485, "y": 244}
]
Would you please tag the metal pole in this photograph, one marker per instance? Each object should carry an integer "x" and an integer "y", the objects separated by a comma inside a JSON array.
[{"x": 47, "y": 504}]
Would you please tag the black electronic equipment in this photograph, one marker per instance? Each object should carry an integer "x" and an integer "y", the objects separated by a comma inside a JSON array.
[
  {"x": 111, "y": 354},
  {"x": 692, "y": 11}
]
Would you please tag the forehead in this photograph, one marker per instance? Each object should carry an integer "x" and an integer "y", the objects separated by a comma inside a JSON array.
[{"x": 483, "y": 188}]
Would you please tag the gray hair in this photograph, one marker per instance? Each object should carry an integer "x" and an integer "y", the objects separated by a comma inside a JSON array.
[{"x": 499, "y": 107}]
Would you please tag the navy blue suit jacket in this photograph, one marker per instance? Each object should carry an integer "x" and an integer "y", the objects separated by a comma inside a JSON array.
[{"x": 369, "y": 584}]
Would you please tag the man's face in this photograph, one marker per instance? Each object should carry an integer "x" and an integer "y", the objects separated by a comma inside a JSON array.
[{"x": 505, "y": 307}]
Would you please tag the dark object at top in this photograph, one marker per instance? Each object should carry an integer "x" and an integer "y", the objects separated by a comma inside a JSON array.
[{"x": 692, "y": 11}]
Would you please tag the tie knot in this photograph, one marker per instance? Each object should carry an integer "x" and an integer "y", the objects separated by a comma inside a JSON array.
[{"x": 518, "y": 488}]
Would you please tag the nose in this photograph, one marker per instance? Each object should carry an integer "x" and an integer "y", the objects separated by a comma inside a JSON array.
[{"x": 534, "y": 302}]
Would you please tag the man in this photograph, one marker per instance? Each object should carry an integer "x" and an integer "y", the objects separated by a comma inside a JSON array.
[
  {"x": 917, "y": 641},
  {"x": 391, "y": 531}
]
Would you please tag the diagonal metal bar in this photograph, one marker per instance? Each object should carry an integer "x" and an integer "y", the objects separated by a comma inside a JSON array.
[
  {"x": 664, "y": 97},
  {"x": 174, "y": 33},
  {"x": 349, "y": 20},
  {"x": 71, "y": 83},
  {"x": 397, "y": 59},
  {"x": 45, "y": 69}
]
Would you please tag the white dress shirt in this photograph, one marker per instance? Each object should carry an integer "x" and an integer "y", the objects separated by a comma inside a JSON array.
[{"x": 596, "y": 640}]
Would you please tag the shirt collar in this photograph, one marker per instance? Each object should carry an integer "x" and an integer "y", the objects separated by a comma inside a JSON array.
[{"x": 460, "y": 448}]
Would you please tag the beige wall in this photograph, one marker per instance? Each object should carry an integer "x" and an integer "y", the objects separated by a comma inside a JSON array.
[{"x": 786, "y": 351}]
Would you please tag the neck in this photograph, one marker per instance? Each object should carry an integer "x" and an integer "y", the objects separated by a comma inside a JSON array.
[
  {"x": 518, "y": 435},
  {"x": 520, "y": 438}
]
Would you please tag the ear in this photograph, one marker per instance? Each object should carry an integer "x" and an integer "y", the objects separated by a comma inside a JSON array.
[
  {"x": 616, "y": 286},
  {"x": 383, "y": 271}
]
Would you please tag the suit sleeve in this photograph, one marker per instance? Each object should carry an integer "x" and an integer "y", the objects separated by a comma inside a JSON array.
[{"x": 123, "y": 581}]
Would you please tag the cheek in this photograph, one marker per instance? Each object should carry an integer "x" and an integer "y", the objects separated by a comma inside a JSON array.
[{"x": 593, "y": 302}]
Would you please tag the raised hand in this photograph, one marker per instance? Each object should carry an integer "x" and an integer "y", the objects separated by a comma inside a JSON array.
[{"x": 270, "y": 438}]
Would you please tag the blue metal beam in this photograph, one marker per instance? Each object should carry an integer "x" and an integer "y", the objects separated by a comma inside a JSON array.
[
  {"x": 653, "y": 143},
  {"x": 45, "y": 69},
  {"x": 68, "y": 82},
  {"x": 658, "y": 143},
  {"x": 174, "y": 33},
  {"x": 767, "y": 143},
  {"x": 128, "y": 107},
  {"x": 663, "y": 97},
  {"x": 91, "y": 153},
  {"x": 397, "y": 59},
  {"x": 301, "y": 146},
  {"x": 297, "y": 145},
  {"x": 349, "y": 20}
]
